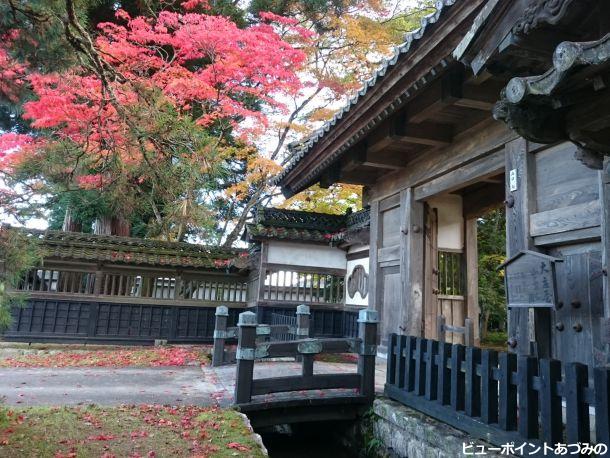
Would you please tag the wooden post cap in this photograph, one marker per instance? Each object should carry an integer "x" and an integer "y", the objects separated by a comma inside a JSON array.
[
  {"x": 303, "y": 309},
  {"x": 222, "y": 310},
  {"x": 247, "y": 319},
  {"x": 368, "y": 316}
]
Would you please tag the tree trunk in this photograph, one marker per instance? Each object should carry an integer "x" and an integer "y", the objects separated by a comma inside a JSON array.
[
  {"x": 102, "y": 225},
  {"x": 485, "y": 327},
  {"x": 109, "y": 225},
  {"x": 241, "y": 221},
  {"x": 69, "y": 224},
  {"x": 121, "y": 226}
]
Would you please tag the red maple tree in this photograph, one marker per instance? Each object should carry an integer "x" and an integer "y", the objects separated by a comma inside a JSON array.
[{"x": 107, "y": 118}]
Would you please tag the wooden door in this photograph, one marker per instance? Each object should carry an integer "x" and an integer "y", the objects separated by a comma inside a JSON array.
[
  {"x": 396, "y": 264},
  {"x": 387, "y": 267}
]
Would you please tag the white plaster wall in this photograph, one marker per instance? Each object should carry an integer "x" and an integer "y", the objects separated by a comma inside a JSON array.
[
  {"x": 450, "y": 221},
  {"x": 357, "y": 299},
  {"x": 309, "y": 255}
]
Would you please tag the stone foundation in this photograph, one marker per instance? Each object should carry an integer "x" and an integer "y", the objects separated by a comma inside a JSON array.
[{"x": 404, "y": 432}]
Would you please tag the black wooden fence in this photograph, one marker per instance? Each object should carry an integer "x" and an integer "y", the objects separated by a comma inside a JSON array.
[
  {"x": 79, "y": 320},
  {"x": 55, "y": 320},
  {"x": 500, "y": 397}
]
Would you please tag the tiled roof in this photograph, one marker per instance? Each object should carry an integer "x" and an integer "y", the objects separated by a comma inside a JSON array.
[
  {"x": 273, "y": 223},
  {"x": 301, "y": 149},
  {"x": 129, "y": 250}
]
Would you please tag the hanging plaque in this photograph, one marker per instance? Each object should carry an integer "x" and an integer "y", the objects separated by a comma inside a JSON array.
[{"x": 530, "y": 280}]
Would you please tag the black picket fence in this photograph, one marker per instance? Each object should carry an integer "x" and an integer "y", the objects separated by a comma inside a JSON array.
[{"x": 500, "y": 397}]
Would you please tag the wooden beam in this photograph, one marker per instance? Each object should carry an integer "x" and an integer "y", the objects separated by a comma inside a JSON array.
[
  {"x": 361, "y": 177},
  {"x": 479, "y": 202},
  {"x": 380, "y": 156},
  {"x": 388, "y": 160},
  {"x": 463, "y": 176},
  {"x": 330, "y": 176},
  {"x": 482, "y": 97},
  {"x": 399, "y": 131},
  {"x": 443, "y": 92},
  {"x": 425, "y": 133}
]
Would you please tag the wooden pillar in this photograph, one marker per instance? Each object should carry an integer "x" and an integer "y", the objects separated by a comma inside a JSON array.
[
  {"x": 375, "y": 238},
  {"x": 303, "y": 315},
  {"x": 97, "y": 282},
  {"x": 604, "y": 196},
  {"x": 412, "y": 262},
  {"x": 368, "y": 321},
  {"x": 472, "y": 277},
  {"x": 220, "y": 334},
  {"x": 178, "y": 286},
  {"x": 441, "y": 332},
  {"x": 469, "y": 332},
  {"x": 431, "y": 274},
  {"x": 520, "y": 203},
  {"x": 302, "y": 332},
  {"x": 246, "y": 348},
  {"x": 262, "y": 273}
]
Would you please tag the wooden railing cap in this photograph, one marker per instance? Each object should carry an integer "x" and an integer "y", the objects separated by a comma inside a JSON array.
[
  {"x": 246, "y": 319},
  {"x": 222, "y": 310},
  {"x": 303, "y": 309},
  {"x": 368, "y": 316}
]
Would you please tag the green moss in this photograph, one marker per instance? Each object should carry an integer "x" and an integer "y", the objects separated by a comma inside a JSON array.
[{"x": 125, "y": 431}]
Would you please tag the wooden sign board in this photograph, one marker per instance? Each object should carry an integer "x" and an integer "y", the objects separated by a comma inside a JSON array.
[{"x": 530, "y": 280}]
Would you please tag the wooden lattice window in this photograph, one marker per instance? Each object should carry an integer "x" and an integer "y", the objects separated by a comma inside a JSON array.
[{"x": 450, "y": 273}]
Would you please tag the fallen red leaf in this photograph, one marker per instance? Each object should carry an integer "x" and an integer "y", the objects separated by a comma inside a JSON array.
[{"x": 238, "y": 446}]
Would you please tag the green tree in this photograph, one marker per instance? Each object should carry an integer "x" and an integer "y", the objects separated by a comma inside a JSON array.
[
  {"x": 18, "y": 254},
  {"x": 492, "y": 253}
]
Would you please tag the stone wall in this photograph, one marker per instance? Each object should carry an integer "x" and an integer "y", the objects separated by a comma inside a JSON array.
[{"x": 404, "y": 432}]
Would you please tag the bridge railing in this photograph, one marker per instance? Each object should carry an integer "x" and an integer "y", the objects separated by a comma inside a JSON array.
[
  {"x": 248, "y": 350},
  {"x": 282, "y": 328}
]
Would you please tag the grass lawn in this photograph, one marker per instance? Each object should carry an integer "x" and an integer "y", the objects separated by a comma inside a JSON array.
[
  {"x": 77, "y": 356},
  {"x": 495, "y": 341},
  {"x": 126, "y": 431}
]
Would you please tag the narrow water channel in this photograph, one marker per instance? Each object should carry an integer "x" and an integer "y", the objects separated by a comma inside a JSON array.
[{"x": 308, "y": 440}]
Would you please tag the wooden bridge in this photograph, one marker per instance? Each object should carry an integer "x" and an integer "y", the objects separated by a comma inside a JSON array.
[{"x": 308, "y": 396}]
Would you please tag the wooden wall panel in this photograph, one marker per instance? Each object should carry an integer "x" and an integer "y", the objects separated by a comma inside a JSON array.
[{"x": 561, "y": 180}]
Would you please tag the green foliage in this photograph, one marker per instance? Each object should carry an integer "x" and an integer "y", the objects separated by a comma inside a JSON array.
[
  {"x": 19, "y": 254},
  {"x": 492, "y": 253}
]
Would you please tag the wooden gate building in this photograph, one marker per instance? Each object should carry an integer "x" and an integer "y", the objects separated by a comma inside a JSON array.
[{"x": 490, "y": 103}]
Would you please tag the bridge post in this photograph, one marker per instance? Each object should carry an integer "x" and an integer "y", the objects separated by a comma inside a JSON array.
[
  {"x": 246, "y": 348},
  {"x": 368, "y": 320},
  {"x": 220, "y": 333},
  {"x": 303, "y": 333}
]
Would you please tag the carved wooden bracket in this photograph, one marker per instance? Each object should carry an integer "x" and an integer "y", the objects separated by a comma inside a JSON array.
[
  {"x": 541, "y": 11},
  {"x": 569, "y": 102}
]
